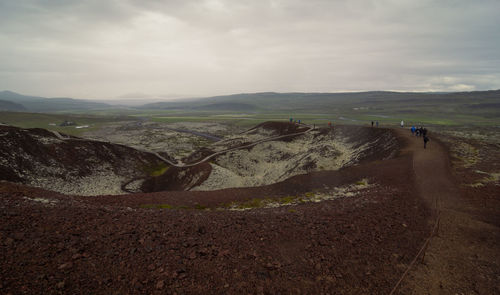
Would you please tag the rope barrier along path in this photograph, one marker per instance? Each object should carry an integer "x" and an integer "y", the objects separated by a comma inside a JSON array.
[
  {"x": 422, "y": 250},
  {"x": 424, "y": 246}
]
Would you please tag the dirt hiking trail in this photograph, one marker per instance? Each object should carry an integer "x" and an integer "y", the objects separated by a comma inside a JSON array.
[{"x": 463, "y": 255}]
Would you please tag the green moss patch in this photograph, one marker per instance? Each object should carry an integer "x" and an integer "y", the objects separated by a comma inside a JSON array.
[
  {"x": 339, "y": 192},
  {"x": 156, "y": 170}
]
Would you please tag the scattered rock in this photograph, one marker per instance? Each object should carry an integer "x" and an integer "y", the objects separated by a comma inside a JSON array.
[
  {"x": 61, "y": 285},
  {"x": 65, "y": 265},
  {"x": 9, "y": 241},
  {"x": 202, "y": 230},
  {"x": 160, "y": 285}
]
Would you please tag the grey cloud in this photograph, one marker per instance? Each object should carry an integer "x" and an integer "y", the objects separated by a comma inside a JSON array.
[{"x": 108, "y": 48}]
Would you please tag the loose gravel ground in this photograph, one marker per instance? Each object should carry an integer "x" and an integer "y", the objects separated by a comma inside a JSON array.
[{"x": 182, "y": 242}]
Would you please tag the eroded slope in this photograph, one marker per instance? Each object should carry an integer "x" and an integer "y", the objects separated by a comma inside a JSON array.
[
  {"x": 39, "y": 158},
  {"x": 317, "y": 150}
]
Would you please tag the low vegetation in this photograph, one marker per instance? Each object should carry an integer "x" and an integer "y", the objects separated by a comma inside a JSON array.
[
  {"x": 52, "y": 121},
  {"x": 157, "y": 170},
  {"x": 339, "y": 192},
  {"x": 489, "y": 178},
  {"x": 257, "y": 203}
]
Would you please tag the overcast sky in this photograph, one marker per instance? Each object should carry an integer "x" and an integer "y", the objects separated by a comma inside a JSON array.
[{"x": 130, "y": 48}]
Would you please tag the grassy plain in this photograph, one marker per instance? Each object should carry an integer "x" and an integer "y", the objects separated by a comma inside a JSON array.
[
  {"x": 475, "y": 109},
  {"x": 347, "y": 117},
  {"x": 42, "y": 120}
]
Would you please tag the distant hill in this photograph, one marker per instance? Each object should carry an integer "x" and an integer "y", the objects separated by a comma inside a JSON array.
[
  {"x": 476, "y": 101},
  {"x": 202, "y": 106},
  {"x": 363, "y": 105},
  {"x": 42, "y": 104},
  {"x": 6, "y": 105}
]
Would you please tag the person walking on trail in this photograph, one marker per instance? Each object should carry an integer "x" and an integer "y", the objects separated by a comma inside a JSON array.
[
  {"x": 372, "y": 123},
  {"x": 424, "y": 131},
  {"x": 330, "y": 124},
  {"x": 402, "y": 123},
  {"x": 426, "y": 139},
  {"x": 413, "y": 130},
  {"x": 376, "y": 123}
]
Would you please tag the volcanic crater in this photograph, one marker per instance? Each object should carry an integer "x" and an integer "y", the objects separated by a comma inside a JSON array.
[
  {"x": 280, "y": 208},
  {"x": 266, "y": 154}
]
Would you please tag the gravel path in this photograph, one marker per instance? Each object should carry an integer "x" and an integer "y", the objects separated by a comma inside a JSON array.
[{"x": 463, "y": 257}]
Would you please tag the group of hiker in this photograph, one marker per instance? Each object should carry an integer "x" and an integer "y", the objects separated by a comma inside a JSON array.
[
  {"x": 420, "y": 132},
  {"x": 415, "y": 131}
]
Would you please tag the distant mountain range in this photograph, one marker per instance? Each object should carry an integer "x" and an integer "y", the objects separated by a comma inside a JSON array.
[
  {"x": 11, "y": 101},
  {"x": 323, "y": 102},
  {"x": 487, "y": 102}
]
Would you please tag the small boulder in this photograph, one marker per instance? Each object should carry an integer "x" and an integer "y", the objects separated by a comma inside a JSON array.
[{"x": 160, "y": 285}]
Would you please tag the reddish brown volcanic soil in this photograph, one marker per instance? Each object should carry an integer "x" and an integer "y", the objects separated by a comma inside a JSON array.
[
  {"x": 111, "y": 245},
  {"x": 464, "y": 255}
]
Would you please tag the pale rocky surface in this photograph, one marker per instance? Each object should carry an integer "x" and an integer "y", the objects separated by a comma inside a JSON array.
[
  {"x": 88, "y": 167},
  {"x": 39, "y": 158},
  {"x": 274, "y": 161},
  {"x": 159, "y": 137}
]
